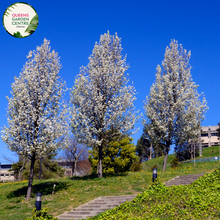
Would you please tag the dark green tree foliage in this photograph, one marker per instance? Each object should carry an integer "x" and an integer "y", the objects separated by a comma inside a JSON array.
[
  {"x": 144, "y": 144},
  {"x": 143, "y": 149},
  {"x": 49, "y": 169},
  {"x": 117, "y": 157},
  {"x": 158, "y": 150},
  {"x": 185, "y": 151},
  {"x": 16, "y": 168}
]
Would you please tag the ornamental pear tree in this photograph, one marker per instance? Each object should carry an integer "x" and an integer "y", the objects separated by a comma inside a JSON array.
[
  {"x": 101, "y": 99},
  {"x": 174, "y": 109},
  {"x": 37, "y": 116}
]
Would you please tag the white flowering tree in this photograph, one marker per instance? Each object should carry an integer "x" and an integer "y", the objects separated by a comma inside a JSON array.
[
  {"x": 37, "y": 124},
  {"x": 101, "y": 99},
  {"x": 173, "y": 108}
]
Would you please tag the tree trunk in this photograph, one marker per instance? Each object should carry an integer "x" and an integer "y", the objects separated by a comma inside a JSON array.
[
  {"x": 165, "y": 159},
  {"x": 31, "y": 176},
  {"x": 100, "y": 162},
  {"x": 40, "y": 168},
  {"x": 150, "y": 152},
  {"x": 75, "y": 168},
  {"x": 194, "y": 155},
  {"x": 200, "y": 141},
  {"x": 20, "y": 173}
]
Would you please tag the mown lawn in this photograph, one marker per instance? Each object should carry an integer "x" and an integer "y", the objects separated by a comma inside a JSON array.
[
  {"x": 72, "y": 192},
  {"x": 69, "y": 193},
  {"x": 206, "y": 152}
]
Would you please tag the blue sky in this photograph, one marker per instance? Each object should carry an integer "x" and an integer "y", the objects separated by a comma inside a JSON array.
[{"x": 145, "y": 28}]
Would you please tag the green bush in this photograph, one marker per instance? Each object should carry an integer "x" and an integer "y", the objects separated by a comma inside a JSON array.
[
  {"x": 117, "y": 157},
  {"x": 154, "y": 166},
  {"x": 175, "y": 163},
  {"x": 135, "y": 167},
  {"x": 41, "y": 215}
]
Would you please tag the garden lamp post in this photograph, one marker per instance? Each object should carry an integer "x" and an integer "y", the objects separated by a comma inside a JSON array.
[
  {"x": 38, "y": 201},
  {"x": 154, "y": 173}
]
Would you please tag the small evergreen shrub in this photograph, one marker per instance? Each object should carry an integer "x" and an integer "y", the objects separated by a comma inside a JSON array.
[
  {"x": 135, "y": 167},
  {"x": 155, "y": 166},
  {"x": 41, "y": 215},
  {"x": 213, "y": 150},
  {"x": 175, "y": 163}
]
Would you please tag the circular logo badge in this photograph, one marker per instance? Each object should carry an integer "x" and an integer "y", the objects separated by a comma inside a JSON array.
[{"x": 20, "y": 20}]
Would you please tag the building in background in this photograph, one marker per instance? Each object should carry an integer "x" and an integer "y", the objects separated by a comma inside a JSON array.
[
  {"x": 209, "y": 136},
  {"x": 5, "y": 174},
  {"x": 83, "y": 167}
]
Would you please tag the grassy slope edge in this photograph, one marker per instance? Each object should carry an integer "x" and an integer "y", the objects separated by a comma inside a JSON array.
[
  {"x": 72, "y": 192},
  {"x": 199, "y": 200}
]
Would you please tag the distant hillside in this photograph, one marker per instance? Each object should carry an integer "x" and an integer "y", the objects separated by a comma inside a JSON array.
[{"x": 206, "y": 152}]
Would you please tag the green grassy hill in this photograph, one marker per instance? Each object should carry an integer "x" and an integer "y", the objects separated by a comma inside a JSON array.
[
  {"x": 72, "y": 192},
  {"x": 206, "y": 152},
  {"x": 199, "y": 200}
]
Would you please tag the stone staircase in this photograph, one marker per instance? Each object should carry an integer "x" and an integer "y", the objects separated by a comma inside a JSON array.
[
  {"x": 101, "y": 204},
  {"x": 183, "y": 180},
  {"x": 94, "y": 207}
]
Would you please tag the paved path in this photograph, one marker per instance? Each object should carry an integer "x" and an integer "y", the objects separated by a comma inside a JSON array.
[
  {"x": 95, "y": 207},
  {"x": 104, "y": 203},
  {"x": 183, "y": 180}
]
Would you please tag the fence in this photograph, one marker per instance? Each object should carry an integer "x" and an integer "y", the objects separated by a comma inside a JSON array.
[
  {"x": 203, "y": 159},
  {"x": 197, "y": 160}
]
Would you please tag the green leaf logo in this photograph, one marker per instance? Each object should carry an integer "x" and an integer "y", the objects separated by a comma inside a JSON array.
[
  {"x": 33, "y": 25},
  {"x": 18, "y": 35}
]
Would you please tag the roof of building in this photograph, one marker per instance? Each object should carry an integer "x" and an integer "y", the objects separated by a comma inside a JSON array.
[{"x": 212, "y": 128}]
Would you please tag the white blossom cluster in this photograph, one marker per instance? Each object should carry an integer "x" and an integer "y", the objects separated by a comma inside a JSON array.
[
  {"x": 37, "y": 116},
  {"x": 100, "y": 96},
  {"x": 173, "y": 108}
]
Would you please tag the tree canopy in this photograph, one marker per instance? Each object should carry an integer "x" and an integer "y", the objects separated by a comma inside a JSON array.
[
  {"x": 101, "y": 99},
  {"x": 36, "y": 121},
  {"x": 174, "y": 109}
]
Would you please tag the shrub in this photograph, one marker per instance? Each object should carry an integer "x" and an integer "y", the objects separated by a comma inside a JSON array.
[
  {"x": 154, "y": 166},
  {"x": 41, "y": 215},
  {"x": 175, "y": 163},
  {"x": 135, "y": 167},
  {"x": 117, "y": 156}
]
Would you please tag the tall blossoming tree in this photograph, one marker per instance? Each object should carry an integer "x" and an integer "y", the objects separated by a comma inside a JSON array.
[
  {"x": 36, "y": 122},
  {"x": 101, "y": 99},
  {"x": 174, "y": 109}
]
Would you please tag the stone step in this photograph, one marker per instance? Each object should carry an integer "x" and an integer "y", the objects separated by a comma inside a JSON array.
[
  {"x": 183, "y": 180},
  {"x": 95, "y": 207},
  {"x": 112, "y": 200},
  {"x": 104, "y": 203},
  {"x": 87, "y": 210},
  {"x": 75, "y": 217}
]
